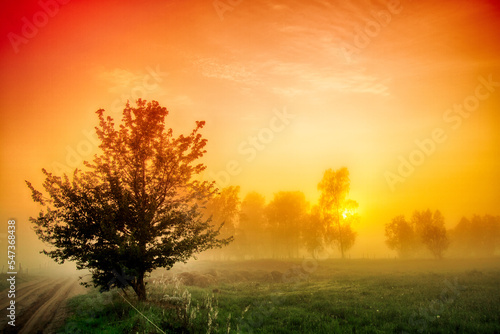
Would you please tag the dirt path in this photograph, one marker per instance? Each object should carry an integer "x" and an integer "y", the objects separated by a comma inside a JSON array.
[{"x": 40, "y": 305}]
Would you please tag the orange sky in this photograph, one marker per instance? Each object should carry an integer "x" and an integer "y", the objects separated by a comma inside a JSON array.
[{"x": 362, "y": 81}]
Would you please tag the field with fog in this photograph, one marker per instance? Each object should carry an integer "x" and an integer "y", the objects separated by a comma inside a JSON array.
[
  {"x": 264, "y": 166},
  {"x": 302, "y": 296}
]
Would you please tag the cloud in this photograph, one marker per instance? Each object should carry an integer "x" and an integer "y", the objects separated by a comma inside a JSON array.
[
  {"x": 298, "y": 53},
  {"x": 119, "y": 79},
  {"x": 304, "y": 78},
  {"x": 215, "y": 68},
  {"x": 289, "y": 79}
]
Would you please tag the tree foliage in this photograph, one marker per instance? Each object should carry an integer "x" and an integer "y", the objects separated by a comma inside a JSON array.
[
  {"x": 400, "y": 236},
  {"x": 286, "y": 214},
  {"x": 223, "y": 209},
  {"x": 337, "y": 211},
  {"x": 254, "y": 239},
  {"x": 314, "y": 232},
  {"x": 136, "y": 207},
  {"x": 478, "y": 236},
  {"x": 430, "y": 229},
  {"x": 425, "y": 229}
]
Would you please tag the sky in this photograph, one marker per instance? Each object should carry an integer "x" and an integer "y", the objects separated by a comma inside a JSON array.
[{"x": 405, "y": 94}]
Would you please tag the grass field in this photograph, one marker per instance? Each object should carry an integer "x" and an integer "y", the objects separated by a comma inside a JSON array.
[{"x": 304, "y": 296}]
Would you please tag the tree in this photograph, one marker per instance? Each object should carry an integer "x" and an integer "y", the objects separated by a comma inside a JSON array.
[
  {"x": 338, "y": 211},
  {"x": 314, "y": 231},
  {"x": 223, "y": 209},
  {"x": 479, "y": 236},
  {"x": 254, "y": 238},
  {"x": 460, "y": 236},
  {"x": 286, "y": 214},
  {"x": 135, "y": 207},
  {"x": 431, "y": 231},
  {"x": 400, "y": 236},
  {"x": 485, "y": 233}
]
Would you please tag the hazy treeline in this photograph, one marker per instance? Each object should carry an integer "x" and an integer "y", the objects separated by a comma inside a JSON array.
[
  {"x": 425, "y": 233},
  {"x": 287, "y": 226},
  {"x": 281, "y": 228},
  {"x": 478, "y": 236}
]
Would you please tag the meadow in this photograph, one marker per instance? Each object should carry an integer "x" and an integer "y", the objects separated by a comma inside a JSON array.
[{"x": 303, "y": 296}]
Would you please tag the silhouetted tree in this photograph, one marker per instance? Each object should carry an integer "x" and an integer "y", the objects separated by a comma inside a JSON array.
[
  {"x": 431, "y": 231},
  {"x": 338, "y": 211},
  {"x": 286, "y": 215},
  {"x": 135, "y": 207},
  {"x": 400, "y": 236}
]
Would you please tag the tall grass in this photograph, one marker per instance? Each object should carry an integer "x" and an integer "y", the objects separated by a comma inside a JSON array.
[{"x": 339, "y": 297}]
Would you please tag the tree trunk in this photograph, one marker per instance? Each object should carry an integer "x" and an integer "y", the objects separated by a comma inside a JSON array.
[
  {"x": 140, "y": 287},
  {"x": 341, "y": 240}
]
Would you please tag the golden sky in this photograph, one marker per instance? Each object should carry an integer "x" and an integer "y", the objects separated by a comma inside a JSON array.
[{"x": 287, "y": 88}]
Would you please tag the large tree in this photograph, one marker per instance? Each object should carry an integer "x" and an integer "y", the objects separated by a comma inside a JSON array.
[
  {"x": 338, "y": 212},
  {"x": 136, "y": 207}
]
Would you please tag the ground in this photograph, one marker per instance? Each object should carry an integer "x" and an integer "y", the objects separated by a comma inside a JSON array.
[
  {"x": 299, "y": 296},
  {"x": 40, "y": 303}
]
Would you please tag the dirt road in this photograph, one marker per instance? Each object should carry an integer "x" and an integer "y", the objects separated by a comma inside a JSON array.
[{"x": 40, "y": 305}]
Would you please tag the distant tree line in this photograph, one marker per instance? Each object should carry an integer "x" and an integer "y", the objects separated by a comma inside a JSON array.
[
  {"x": 425, "y": 233},
  {"x": 287, "y": 226},
  {"x": 478, "y": 236}
]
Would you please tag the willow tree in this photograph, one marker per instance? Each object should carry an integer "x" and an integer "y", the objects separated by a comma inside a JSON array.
[
  {"x": 337, "y": 211},
  {"x": 135, "y": 208}
]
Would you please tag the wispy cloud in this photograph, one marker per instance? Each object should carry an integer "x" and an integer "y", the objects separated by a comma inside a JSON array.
[
  {"x": 299, "y": 53},
  {"x": 215, "y": 68},
  {"x": 288, "y": 79},
  {"x": 119, "y": 79},
  {"x": 302, "y": 78}
]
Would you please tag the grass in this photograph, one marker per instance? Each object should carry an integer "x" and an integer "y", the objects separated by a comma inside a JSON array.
[{"x": 356, "y": 296}]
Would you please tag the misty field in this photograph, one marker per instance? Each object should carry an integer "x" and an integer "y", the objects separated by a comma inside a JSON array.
[{"x": 304, "y": 296}]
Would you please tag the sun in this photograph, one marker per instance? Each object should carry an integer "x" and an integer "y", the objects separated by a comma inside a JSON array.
[{"x": 348, "y": 212}]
